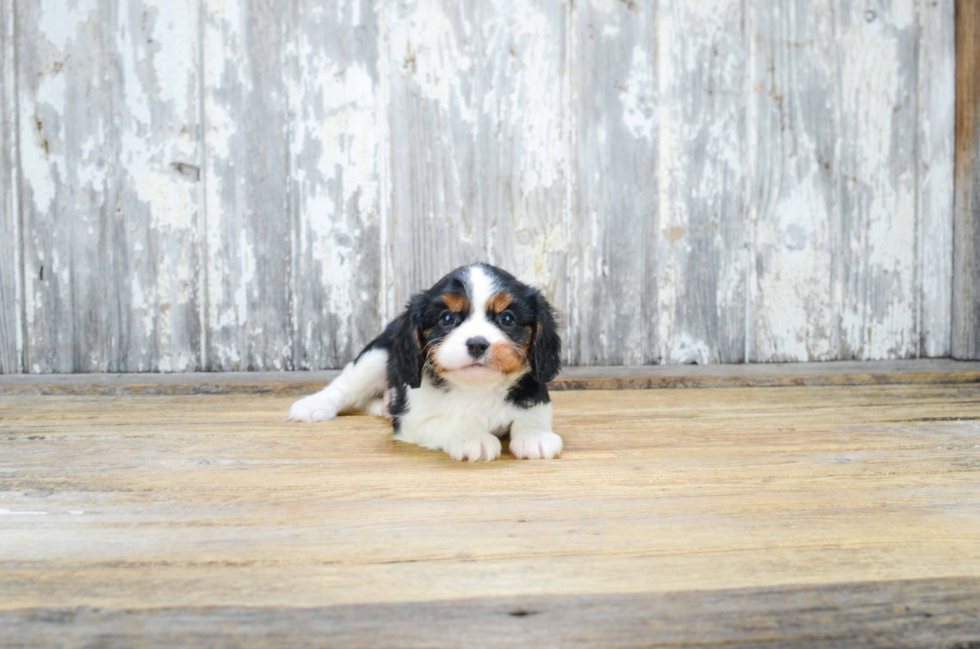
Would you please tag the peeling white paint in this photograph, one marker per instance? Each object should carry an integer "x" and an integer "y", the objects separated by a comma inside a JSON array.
[
  {"x": 44, "y": 168},
  {"x": 639, "y": 96},
  {"x": 878, "y": 314},
  {"x": 58, "y": 19},
  {"x": 701, "y": 274},
  {"x": 683, "y": 203},
  {"x": 936, "y": 142},
  {"x": 685, "y": 350},
  {"x": 432, "y": 56}
]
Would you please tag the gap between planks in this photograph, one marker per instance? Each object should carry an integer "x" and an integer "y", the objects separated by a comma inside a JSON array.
[{"x": 900, "y": 372}]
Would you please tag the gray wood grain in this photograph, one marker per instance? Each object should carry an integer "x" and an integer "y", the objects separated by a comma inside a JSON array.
[
  {"x": 107, "y": 135},
  {"x": 10, "y": 240},
  {"x": 966, "y": 254},
  {"x": 336, "y": 180},
  {"x": 523, "y": 122},
  {"x": 156, "y": 109},
  {"x": 877, "y": 180},
  {"x": 478, "y": 154},
  {"x": 701, "y": 255},
  {"x": 613, "y": 299},
  {"x": 433, "y": 65},
  {"x": 924, "y": 613},
  {"x": 249, "y": 228},
  {"x": 704, "y": 182},
  {"x": 66, "y": 198},
  {"x": 793, "y": 129},
  {"x": 936, "y": 140}
]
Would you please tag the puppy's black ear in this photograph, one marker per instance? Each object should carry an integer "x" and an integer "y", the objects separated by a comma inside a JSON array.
[
  {"x": 405, "y": 353},
  {"x": 546, "y": 345}
]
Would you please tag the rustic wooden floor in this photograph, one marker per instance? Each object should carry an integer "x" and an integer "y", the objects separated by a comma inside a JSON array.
[{"x": 817, "y": 516}]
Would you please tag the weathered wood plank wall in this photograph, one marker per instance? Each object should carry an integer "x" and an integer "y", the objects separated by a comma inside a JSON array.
[
  {"x": 934, "y": 146},
  {"x": 109, "y": 143},
  {"x": 10, "y": 266},
  {"x": 611, "y": 303},
  {"x": 250, "y": 184},
  {"x": 793, "y": 132},
  {"x": 966, "y": 256}
]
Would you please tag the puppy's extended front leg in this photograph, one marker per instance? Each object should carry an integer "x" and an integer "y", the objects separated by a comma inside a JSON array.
[
  {"x": 531, "y": 436},
  {"x": 357, "y": 388},
  {"x": 461, "y": 439}
]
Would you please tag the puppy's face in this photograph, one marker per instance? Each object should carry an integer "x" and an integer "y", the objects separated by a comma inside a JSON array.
[{"x": 479, "y": 326}]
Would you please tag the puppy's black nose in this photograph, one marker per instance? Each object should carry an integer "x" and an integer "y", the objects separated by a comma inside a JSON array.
[{"x": 477, "y": 347}]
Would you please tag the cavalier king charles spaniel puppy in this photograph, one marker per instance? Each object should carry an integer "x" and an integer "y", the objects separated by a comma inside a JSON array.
[{"x": 464, "y": 365}]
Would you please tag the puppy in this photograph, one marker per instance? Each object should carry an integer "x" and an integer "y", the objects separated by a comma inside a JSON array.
[{"x": 465, "y": 364}]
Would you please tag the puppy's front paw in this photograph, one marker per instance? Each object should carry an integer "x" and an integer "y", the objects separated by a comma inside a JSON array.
[
  {"x": 474, "y": 447},
  {"x": 312, "y": 409},
  {"x": 543, "y": 445}
]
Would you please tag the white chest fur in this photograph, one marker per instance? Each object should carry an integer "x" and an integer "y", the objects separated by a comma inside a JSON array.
[
  {"x": 483, "y": 408},
  {"x": 467, "y": 422}
]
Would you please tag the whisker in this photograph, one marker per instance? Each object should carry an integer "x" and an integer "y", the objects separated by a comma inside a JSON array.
[{"x": 429, "y": 362}]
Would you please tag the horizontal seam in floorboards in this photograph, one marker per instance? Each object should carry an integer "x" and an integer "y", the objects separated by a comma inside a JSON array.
[{"x": 840, "y": 373}]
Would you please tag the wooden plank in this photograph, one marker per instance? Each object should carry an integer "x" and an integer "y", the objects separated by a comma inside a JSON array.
[
  {"x": 155, "y": 109},
  {"x": 249, "y": 223},
  {"x": 793, "y": 133},
  {"x": 903, "y": 372},
  {"x": 108, "y": 135},
  {"x": 612, "y": 305},
  {"x": 966, "y": 252},
  {"x": 477, "y": 142},
  {"x": 179, "y": 502},
  {"x": 922, "y": 613},
  {"x": 434, "y": 77},
  {"x": 336, "y": 166},
  {"x": 522, "y": 124},
  {"x": 11, "y": 324},
  {"x": 936, "y": 119},
  {"x": 876, "y": 272},
  {"x": 701, "y": 255},
  {"x": 67, "y": 198}
]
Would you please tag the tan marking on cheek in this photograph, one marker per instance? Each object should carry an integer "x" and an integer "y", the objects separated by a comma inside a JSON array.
[
  {"x": 499, "y": 302},
  {"x": 456, "y": 303},
  {"x": 506, "y": 358},
  {"x": 433, "y": 361}
]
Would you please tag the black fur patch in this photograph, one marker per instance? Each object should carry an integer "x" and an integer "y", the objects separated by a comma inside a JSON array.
[
  {"x": 398, "y": 405},
  {"x": 436, "y": 380},
  {"x": 528, "y": 392}
]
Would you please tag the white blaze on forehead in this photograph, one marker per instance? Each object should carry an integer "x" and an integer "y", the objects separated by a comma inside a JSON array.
[{"x": 482, "y": 287}]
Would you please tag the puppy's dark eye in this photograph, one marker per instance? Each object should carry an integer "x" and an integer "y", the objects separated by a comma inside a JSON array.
[
  {"x": 448, "y": 319},
  {"x": 506, "y": 319}
]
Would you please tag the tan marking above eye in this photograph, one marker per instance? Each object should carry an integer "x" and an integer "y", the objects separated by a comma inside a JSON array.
[
  {"x": 456, "y": 303},
  {"x": 499, "y": 302}
]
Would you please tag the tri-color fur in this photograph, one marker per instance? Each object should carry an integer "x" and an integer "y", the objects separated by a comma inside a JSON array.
[{"x": 465, "y": 364}]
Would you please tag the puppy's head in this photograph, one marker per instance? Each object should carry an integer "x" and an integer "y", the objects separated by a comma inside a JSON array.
[{"x": 479, "y": 326}]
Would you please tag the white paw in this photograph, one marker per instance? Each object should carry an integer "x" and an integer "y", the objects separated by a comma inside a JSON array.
[
  {"x": 544, "y": 445},
  {"x": 474, "y": 447},
  {"x": 313, "y": 408},
  {"x": 378, "y": 408}
]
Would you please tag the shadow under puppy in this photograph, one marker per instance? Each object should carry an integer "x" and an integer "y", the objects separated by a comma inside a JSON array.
[{"x": 466, "y": 363}]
